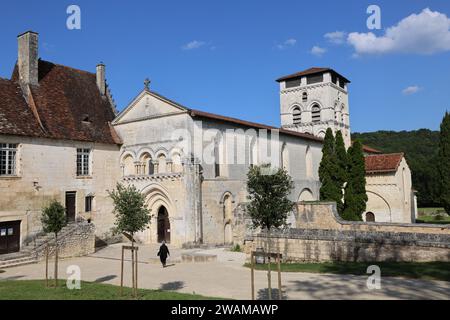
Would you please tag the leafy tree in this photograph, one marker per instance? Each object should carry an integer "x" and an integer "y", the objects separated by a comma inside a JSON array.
[
  {"x": 130, "y": 211},
  {"x": 444, "y": 162},
  {"x": 53, "y": 219},
  {"x": 131, "y": 216},
  {"x": 269, "y": 206},
  {"x": 355, "y": 197},
  {"x": 332, "y": 170}
]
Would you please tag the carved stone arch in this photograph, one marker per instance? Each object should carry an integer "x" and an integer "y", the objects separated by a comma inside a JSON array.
[
  {"x": 313, "y": 103},
  {"x": 374, "y": 207},
  {"x": 321, "y": 133},
  {"x": 157, "y": 198},
  {"x": 127, "y": 163},
  {"x": 162, "y": 151},
  {"x": 306, "y": 195},
  {"x": 176, "y": 156},
  {"x": 145, "y": 150},
  {"x": 297, "y": 105}
]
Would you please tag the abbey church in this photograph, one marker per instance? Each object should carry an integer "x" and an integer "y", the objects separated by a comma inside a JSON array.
[{"x": 62, "y": 138}]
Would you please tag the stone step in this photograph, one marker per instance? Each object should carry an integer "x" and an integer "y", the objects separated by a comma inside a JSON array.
[{"x": 17, "y": 262}]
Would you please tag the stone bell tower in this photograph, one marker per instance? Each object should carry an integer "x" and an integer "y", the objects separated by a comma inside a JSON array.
[{"x": 313, "y": 100}]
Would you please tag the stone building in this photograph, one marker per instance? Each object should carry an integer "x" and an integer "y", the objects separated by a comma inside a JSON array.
[
  {"x": 61, "y": 138},
  {"x": 56, "y": 142},
  {"x": 389, "y": 189},
  {"x": 192, "y": 167},
  {"x": 316, "y": 99}
]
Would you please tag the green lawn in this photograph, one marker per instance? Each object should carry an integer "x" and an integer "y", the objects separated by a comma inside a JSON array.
[
  {"x": 36, "y": 290},
  {"x": 415, "y": 270}
]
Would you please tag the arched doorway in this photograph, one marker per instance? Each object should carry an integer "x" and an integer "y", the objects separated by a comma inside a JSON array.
[
  {"x": 163, "y": 225},
  {"x": 370, "y": 217}
]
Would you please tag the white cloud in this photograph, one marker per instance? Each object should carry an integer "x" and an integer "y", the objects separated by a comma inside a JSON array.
[
  {"x": 193, "y": 45},
  {"x": 318, "y": 51},
  {"x": 411, "y": 90},
  {"x": 336, "y": 37},
  {"x": 424, "y": 33},
  {"x": 288, "y": 43}
]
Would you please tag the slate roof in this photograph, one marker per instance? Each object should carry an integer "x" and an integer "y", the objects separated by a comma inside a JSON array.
[{"x": 67, "y": 102}]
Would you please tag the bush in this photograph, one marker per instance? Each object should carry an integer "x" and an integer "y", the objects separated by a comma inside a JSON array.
[{"x": 236, "y": 248}]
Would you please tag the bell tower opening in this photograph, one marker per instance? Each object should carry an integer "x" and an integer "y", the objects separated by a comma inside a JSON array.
[{"x": 313, "y": 100}]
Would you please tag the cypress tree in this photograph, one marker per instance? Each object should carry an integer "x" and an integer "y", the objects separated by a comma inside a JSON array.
[
  {"x": 327, "y": 170},
  {"x": 341, "y": 169},
  {"x": 444, "y": 162},
  {"x": 355, "y": 197}
]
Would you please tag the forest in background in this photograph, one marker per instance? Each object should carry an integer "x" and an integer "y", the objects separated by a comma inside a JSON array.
[{"x": 421, "y": 149}]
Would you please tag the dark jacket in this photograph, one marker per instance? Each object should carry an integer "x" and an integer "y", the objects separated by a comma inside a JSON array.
[{"x": 163, "y": 252}]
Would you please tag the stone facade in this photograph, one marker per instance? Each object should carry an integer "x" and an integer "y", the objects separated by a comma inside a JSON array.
[
  {"x": 391, "y": 198},
  {"x": 165, "y": 154},
  {"x": 46, "y": 170}
]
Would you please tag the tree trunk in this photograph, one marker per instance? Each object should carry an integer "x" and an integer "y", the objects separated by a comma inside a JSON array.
[
  {"x": 56, "y": 260},
  {"x": 269, "y": 276},
  {"x": 132, "y": 264}
]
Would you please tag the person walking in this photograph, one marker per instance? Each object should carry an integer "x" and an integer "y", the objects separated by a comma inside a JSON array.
[{"x": 163, "y": 253}]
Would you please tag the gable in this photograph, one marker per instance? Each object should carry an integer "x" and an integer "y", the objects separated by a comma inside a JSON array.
[{"x": 148, "y": 105}]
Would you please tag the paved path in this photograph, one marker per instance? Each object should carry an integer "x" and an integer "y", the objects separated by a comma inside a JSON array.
[{"x": 227, "y": 278}]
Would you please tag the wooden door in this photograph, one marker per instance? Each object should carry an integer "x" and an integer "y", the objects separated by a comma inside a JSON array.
[
  {"x": 9, "y": 237},
  {"x": 70, "y": 206}
]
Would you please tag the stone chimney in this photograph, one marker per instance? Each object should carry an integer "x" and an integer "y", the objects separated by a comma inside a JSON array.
[
  {"x": 28, "y": 58},
  {"x": 101, "y": 81}
]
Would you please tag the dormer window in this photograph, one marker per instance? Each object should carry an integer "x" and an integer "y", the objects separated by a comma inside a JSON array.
[{"x": 86, "y": 118}]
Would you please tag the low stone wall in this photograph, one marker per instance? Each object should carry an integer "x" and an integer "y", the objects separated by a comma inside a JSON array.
[
  {"x": 76, "y": 243},
  {"x": 321, "y": 235}
]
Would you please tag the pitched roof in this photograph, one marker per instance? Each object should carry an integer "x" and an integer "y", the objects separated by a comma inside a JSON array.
[
  {"x": 16, "y": 117},
  {"x": 64, "y": 98},
  {"x": 370, "y": 150},
  {"x": 383, "y": 163},
  {"x": 202, "y": 114},
  {"x": 311, "y": 71}
]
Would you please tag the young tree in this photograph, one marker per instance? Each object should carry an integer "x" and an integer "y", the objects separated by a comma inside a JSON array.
[
  {"x": 444, "y": 162},
  {"x": 131, "y": 216},
  {"x": 269, "y": 206},
  {"x": 53, "y": 219},
  {"x": 355, "y": 197}
]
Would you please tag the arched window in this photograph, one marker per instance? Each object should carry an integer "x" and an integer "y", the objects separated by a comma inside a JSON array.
[
  {"x": 370, "y": 217},
  {"x": 297, "y": 115},
  {"x": 146, "y": 164},
  {"x": 315, "y": 113},
  {"x": 305, "y": 96}
]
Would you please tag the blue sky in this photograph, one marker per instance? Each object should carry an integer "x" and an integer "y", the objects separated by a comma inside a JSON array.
[{"x": 224, "y": 56}]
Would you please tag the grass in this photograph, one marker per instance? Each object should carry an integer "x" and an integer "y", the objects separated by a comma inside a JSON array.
[
  {"x": 437, "y": 219},
  {"x": 36, "y": 290},
  {"x": 414, "y": 270},
  {"x": 429, "y": 211}
]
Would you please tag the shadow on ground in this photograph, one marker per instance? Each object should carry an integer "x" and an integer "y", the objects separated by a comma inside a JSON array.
[
  {"x": 263, "y": 294},
  {"x": 105, "y": 278},
  {"x": 172, "y": 286}
]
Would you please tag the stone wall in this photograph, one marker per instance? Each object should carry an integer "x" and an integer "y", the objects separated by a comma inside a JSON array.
[
  {"x": 320, "y": 235},
  {"x": 79, "y": 241}
]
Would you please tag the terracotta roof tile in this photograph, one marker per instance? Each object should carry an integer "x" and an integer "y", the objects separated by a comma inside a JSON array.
[
  {"x": 383, "y": 163},
  {"x": 64, "y": 98}
]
